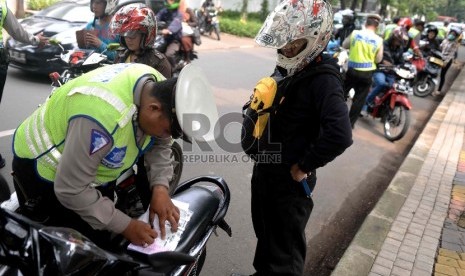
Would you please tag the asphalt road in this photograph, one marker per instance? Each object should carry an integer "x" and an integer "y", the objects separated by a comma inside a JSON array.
[{"x": 346, "y": 191}]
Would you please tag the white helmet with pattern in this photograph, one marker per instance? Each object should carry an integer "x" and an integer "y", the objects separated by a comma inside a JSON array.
[{"x": 296, "y": 19}]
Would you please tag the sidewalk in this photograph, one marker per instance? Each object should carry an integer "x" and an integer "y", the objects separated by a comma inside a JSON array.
[
  {"x": 418, "y": 225},
  {"x": 227, "y": 42}
]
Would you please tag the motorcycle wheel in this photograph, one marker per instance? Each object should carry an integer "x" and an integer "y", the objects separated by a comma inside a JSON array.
[
  {"x": 396, "y": 123},
  {"x": 423, "y": 89},
  {"x": 177, "y": 157}
]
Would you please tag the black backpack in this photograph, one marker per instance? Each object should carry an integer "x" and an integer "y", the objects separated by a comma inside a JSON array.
[{"x": 268, "y": 95}]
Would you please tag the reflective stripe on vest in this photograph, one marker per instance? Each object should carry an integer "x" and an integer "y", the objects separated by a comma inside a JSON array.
[
  {"x": 364, "y": 45},
  {"x": 413, "y": 32},
  {"x": 103, "y": 95}
]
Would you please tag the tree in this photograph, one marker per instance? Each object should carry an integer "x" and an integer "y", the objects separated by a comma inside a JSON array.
[
  {"x": 264, "y": 10},
  {"x": 245, "y": 4},
  {"x": 19, "y": 9}
]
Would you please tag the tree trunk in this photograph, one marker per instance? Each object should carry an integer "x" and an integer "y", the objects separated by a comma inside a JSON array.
[
  {"x": 354, "y": 5},
  {"x": 364, "y": 6},
  {"x": 245, "y": 4},
  {"x": 19, "y": 9},
  {"x": 343, "y": 4}
]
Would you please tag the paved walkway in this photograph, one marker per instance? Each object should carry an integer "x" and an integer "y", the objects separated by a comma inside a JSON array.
[{"x": 416, "y": 228}]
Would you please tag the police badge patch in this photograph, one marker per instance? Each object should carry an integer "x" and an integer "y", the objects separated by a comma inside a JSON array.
[
  {"x": 98, "y": 140},
  {"x": 114, "y": 158}
]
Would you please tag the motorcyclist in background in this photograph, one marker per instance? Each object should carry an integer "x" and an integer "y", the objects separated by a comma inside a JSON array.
[
  {"x": 392, "y": 55},
  {"x": 414, "y": 34},
  {"x": 173, "y": 33},
  {"x": 101, "y": 22},
  {"x": 431, "y": 41},
  {"x": 136, "y": 26},
  {"x": 390, "y": 27},
  {"x": 348, "y": 19}
]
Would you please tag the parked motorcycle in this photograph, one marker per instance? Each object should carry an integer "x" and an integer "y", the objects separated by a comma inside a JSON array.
[
  {"x": 209, "y": 22},
  {"x": 29, "y": 248},
  {"x": 427, "y": 71},
  {"x": 160, "y": 44},
  {"x": 393, "y": 107}
]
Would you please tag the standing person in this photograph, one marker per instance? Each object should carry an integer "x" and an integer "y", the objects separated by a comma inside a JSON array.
[
  {"x": 431, "y": 41},
  {"x": 11, "y": 25},
  {"x": 89, "y": 133},
  {"x": 173, "y": 32},
  {"x": 136, "y": 25},
  {"x": 449, "y": 48},
  {"x": 101, "y": 23},
  {"x": 390, "y": 27},
  {"x": 365, "y": 51},
  {"x": 348, "y": 25},
  {"x": 311, "y": 125},
  {"x": 443, "y": 30}
]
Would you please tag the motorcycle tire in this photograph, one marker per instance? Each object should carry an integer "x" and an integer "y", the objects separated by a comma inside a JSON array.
[
  {"x": 423, "y": 89},
  {"x": 178, "y": 164},
  {"x": 396, "y": 122}
]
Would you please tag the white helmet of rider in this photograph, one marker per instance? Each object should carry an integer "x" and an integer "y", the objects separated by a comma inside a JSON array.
[
  {"x": 347, "y": 12},
  {"x": 296, "y": 19}
]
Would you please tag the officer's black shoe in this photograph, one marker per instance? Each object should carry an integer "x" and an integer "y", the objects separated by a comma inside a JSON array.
[{"x": 2, "y": 162}]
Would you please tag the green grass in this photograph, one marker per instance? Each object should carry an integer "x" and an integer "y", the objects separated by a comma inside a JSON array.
[
  {"x": 230, "y": 22},
  {"x": 39, "y": 4}
]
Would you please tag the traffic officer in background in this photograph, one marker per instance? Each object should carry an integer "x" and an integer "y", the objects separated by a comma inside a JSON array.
[
  {"x": 11, "y": 25},
  {"x": 365, "y": 50},
  {"x": 414, "y": 35},
  {"x": 390, "y": 27},
  {"x": 443, "y": 30}
]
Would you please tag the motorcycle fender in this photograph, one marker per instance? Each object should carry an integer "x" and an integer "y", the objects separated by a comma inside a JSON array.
[
  {"x": 400, "y": 99},
  {"x": 435, "y": 81}
]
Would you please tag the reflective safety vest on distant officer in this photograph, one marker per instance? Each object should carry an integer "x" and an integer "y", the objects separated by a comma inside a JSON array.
[
  {"x": 442, "y": 32},
  {"x": 388, "y": 30},
  {"x": 3, "y": 11},
  {"x": 364, "y": 45},
  {"x": 104, "y": 95},
  {"x": 413, "y": 32}
]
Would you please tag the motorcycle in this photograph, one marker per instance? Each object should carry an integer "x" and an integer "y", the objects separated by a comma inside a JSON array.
[
  {"x": 209, "y": 22},
  {"x": 77, "y": 62},
  {"x": 30, "y": 248},
  {"x": 394, "y": 106},
  {"x": 427, "y": 71},
  {"x": 160, "y": 44},
  {"x": 80, "y": 62}
]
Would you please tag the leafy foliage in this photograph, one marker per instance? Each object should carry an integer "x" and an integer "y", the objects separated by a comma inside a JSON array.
[{"x": 40, "y": 4}]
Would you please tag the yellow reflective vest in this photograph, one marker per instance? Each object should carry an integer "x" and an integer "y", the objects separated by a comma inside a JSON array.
[
  {"x": 3, "y": 12},
  {"x": 104, "y": 95},
  {"x": 364, "y": 46}
]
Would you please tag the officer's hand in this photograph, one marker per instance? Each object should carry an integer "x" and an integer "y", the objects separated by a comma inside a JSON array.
[
  {"x": 42, "y": 39},
  {"x": 165, "y": 32},
  {"x": 139, "y": 233},
  {"x": 162, "y": 205},
  {"x": 297, "y": 174}
]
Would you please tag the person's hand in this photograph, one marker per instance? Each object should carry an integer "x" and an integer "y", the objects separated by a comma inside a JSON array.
[
  {"x": 297, "y": 174},
  {"x": 162, "y": 205},
  {"x": 42, "y": 39},
  {"x": 139, "y": 233},
  {"x": 92, "y": 40},
  {"x": 165, "y": 32}
]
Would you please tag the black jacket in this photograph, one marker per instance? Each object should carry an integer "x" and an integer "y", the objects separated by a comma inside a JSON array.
[{"x": 312, "y": 124}]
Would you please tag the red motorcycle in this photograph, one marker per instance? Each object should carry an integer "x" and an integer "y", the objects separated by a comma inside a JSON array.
[{"x": 393, "y": 107}]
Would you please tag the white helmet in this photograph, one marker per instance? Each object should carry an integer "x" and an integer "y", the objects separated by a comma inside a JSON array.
[
  {"x": 295, "y": 19},
  {"x": 347, "y": 12}
]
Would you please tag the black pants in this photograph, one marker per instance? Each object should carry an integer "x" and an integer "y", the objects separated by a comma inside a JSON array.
[
  {"x": 280, "y": 212},
  {"x": 32, "y": 190},
  {"x": 360, "y": 81},
  {"x": 3, "y": 73},
  {"x": 443, "y": 75}
]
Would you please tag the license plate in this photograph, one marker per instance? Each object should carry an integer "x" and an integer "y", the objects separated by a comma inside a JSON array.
[
  {"x": 436, "y": 61},
  {"x": 17, "y": 56}
]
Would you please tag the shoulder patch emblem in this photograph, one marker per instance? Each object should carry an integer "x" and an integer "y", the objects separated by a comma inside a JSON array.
[
  {"x": 115, "y": 157},
  {"x": 98, "y": 140}
]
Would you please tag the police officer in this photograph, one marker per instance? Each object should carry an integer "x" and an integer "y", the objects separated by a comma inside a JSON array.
[
  {"x": 9, "y": 22},
  {"x": 365, "y": 50},
  {"x": 414, "y": 34},
  {"x": 390, "y": 27},
  {"x": 70, "y": 151}
]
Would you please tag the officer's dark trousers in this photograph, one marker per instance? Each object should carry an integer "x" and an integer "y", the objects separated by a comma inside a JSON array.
[
  {"x": 360, "y": 81},
  {"x": 3, "y": 73},
  {"x": 280, "y": 212}
]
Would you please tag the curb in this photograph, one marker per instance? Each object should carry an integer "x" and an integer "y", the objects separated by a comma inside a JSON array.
[{"x": 359, "y": 258}]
